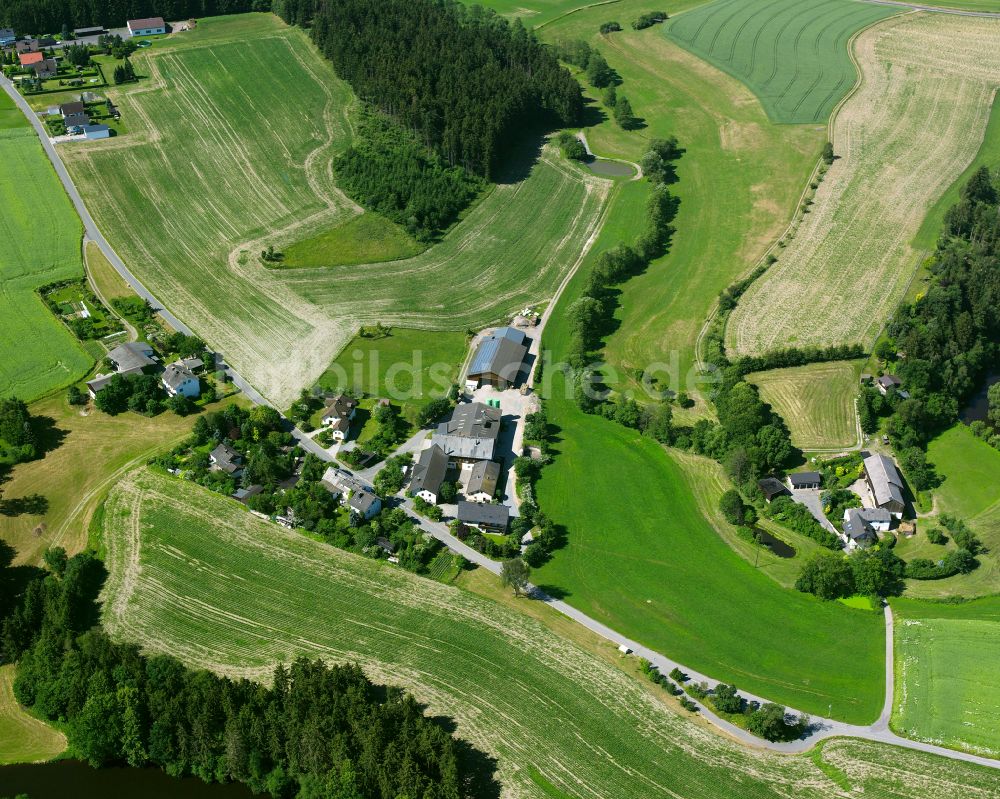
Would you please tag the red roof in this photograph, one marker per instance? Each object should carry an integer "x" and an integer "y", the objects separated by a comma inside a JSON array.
[{"x": 31, "y": 58}]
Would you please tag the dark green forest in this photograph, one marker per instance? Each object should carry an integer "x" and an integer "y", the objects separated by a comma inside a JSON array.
[{"x": 318, "y": 731}]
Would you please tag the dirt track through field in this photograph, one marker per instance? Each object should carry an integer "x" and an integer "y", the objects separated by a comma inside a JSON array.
[{"x": 916, "y": 122}]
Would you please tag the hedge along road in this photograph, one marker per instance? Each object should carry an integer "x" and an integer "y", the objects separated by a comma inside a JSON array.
[{"x": 821, "y": 728}]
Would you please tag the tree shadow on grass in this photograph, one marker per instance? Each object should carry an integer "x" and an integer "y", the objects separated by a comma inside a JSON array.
[{"x": 47, "y": 435}]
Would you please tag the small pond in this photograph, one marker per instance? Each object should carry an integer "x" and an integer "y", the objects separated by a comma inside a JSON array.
[
  {"x": 776, "y": 545},
  {"x": 610, "y": 169},
  {"x": 73, "y": 778},
  {"x": 976, "y": 410}
]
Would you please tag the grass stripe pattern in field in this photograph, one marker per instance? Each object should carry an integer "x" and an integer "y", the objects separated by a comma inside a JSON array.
[
  {"x": 193, "y": 574},
  {"x": 816, "y": 402},
  {"x": 791, "y": 53},
  {"x": 946, "y": 662},
  {"x": 914, "y": 125},
  {"x": 220, "y": 165},
  {"x": 39, "y": 244}
]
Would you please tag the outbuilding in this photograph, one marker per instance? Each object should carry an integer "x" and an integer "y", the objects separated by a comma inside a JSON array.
[
  {"x": 498, "y": 359},
  {"x": 489, "y": 518},
  {"x": 7, "y": 37},
  {"x": 771, "y": 488},
  {"x": 885, "y": 483},
  {"x": 96, "y": 131},
  {"x": 800, "y": 480},
  {"x": 148, "y": 26}
]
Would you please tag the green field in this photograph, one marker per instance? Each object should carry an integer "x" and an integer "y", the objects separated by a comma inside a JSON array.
[
  {"x": 969, "y": 5},
  {"x": 40, "y": 234},
  {"x": 363, "y": 239},
  {"x": 193, "y": 574},
  {"x": 946, "y": 661},
  {"x": 535, "y": 13},
  {"x": 793, "y": 54},
  {"x": 23, "y": 738},
  {"x": 10, "y": 115},
  {"x": 220, "y": 164},
  {"x": 729, "y": 142},
  {"x": 970, "y": 469},
  {"x": 816, "y": 402}
]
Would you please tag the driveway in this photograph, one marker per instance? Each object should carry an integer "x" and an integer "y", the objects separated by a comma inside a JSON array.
[{"x": 810, "y": 497}]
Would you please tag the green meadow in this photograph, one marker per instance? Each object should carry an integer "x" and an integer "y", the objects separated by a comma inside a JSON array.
[
  {"x": 41, "y": 236},
  {"x": 793, "y": 54},
  {"x": 946, "y": 659},
  {"x": 193, "y": 574}
]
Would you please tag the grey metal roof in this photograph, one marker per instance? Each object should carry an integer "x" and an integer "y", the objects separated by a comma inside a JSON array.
[
  {"x": 771, "y": 486},
  {"x": 500, "y": 355},
  {"x": 885, "y": 480},
  {"x": 429, "y": 470},
  {"x": 132, "y": 356},
  {"x": 804, "y": 478},
  {"x": 482, "y": 513},
  {"x": 226, "y": 458},
  {"x": 362, "y": 500},
  {"x": 483, "y": 478},
  {"x": 176, "y": 375},
  {"x": 857, "y": 528}
]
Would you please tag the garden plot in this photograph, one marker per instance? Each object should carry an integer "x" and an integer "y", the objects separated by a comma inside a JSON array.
[{"x": 917, "y": 120}]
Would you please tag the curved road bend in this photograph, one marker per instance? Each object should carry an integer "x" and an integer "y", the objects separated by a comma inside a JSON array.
[{"x": 822, "y": 728}]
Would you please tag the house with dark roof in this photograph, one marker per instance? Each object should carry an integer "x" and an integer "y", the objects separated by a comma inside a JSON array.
[
  {"x": 364, "y": 503},
  {"x": 226, "y": 459},
  {"x": 861, "y": 526},
  {"x": 428, "y": 474},
  {"x": 244, "y": 494},
  {"x": 93, "y": 30},
  {"x": 488, "y": 518},
  {"x": 76, "y": 122},
  {"x": 385, "y": 545},
  {"x": 885, "y": 382},
  {"x": 482, "y": 482},
  {"x": 805, "y": 480},
  {"x": 97, "y": 384},
  {"x": 132, "y": 357},
  {"x": 178, "y": 379},
  {"x": 147, "y": 26},
  {"x": 26, "y": 46},
  {"x": 771, "y": 487},
  {"x": 340, "y": 410},
  {"x": 46, "y": 69},
  {"x": 498, "y": 360},
  {"x": 68, "y": 109},
  {"x": 885, "y": 483},
  {"x": 470, "y": 434}
]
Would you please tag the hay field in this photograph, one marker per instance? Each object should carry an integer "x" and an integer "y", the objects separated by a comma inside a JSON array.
[
  {"x": 914, "y": 125},
  {"x": 947, "y": 691},
  {"x": 193, "y": 574},
  {"x": 220, "y": 164},
  {"x": 816, "y": 402},
  {"x": 791, "y": 53},
  {"x": 23, "y": 738},
  {"x": 40, "y": 237}
]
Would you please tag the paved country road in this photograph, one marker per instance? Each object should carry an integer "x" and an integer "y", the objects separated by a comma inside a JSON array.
[{"x": 821, "y": 727}]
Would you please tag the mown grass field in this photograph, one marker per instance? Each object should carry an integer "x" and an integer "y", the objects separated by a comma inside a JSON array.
[
  {"x": 729, "y": 142},
  {"x": 40, "y": 234},
  {"x": 110, "y": 285},
  {"x": 193, "y": 574},
  {"x": 913, "y": 127},
  {"x": 535, "y": 13},
  {"x": 220, "y": 164},
  {"x": 946, "y": 657},
  {"x": 970, "y": 490},
  {"x": 91, "y": 453},
  {"x": 23, "y": 738},
  {"x": 792, "y": 54},
  {"x": 816, "y": 402}
]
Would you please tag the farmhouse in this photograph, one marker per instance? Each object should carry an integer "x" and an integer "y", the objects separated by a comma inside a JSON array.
[
  {"x": 364, "y": 503},
  {"x": 132, "y": 357},
  {"x": 428, "y": 474},
  {"x": 885, "y": 382},
  {"x": 7, "y": 37},
  {"x": 498, "y": 359},
  {"x": 46, "y": 69},
  {"x": 76, "y": 122},
  {"x": 96, "y": 131},
  {"x": 338, "y": 415},
  {"x": 482, "y": 484},
  {"x": 885, "y": 484},
  {"x": 805, "y": 480},
  {"x": 470, "y": 434},
  {"x": 149, "y": 26},
  {"x": 178, "y": 379},
  {"x": 27, "y": 59},
  {"x": 489, "y": 518},
  {"x": 68, "y": 109},
  {"x": 862, "y": 524},
  {"x": 771, "y": 487},
  {"x": 226, "y": 459}
]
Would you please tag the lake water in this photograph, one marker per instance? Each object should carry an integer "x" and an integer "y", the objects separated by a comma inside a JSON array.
[
  {"x": 777, "y": 546},
  {"x": 610, "y": 169},
  {"x": 979, "y": 404},
  {"x": 73, "y": 778}
]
